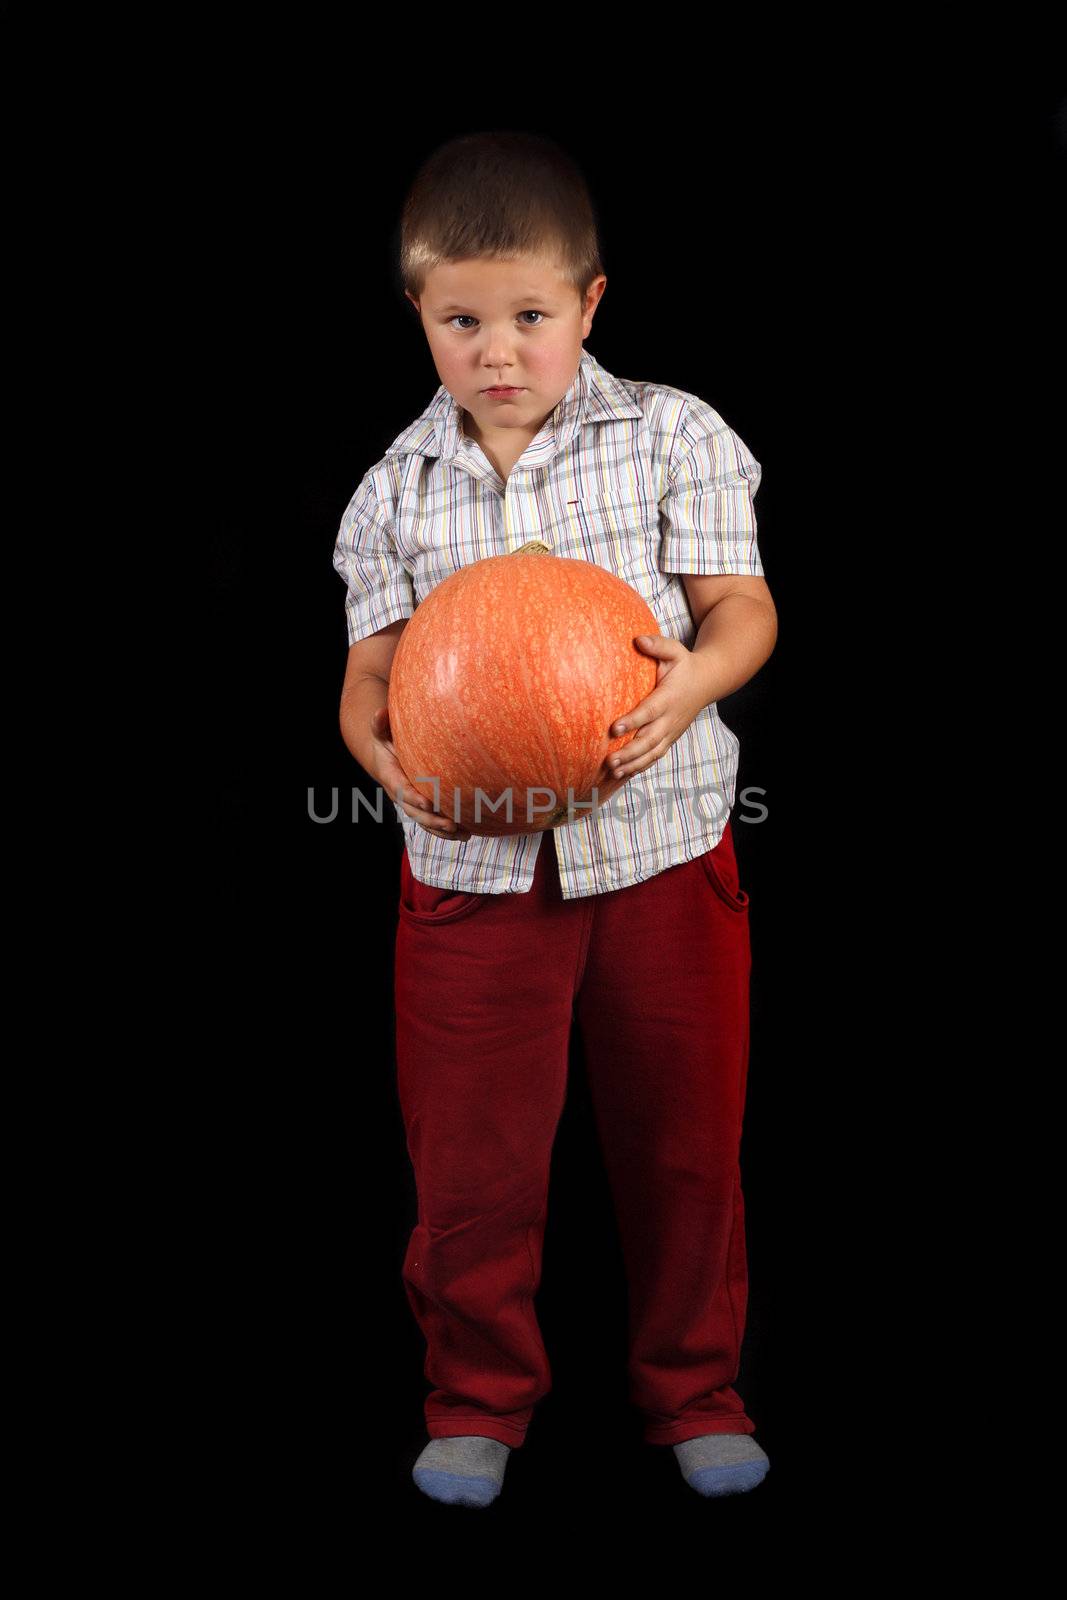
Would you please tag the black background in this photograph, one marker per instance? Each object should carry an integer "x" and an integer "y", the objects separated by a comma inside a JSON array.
[{"x": 794, "y": 260}]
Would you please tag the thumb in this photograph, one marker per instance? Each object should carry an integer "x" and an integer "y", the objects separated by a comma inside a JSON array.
[{"x": 657, "y": 644}]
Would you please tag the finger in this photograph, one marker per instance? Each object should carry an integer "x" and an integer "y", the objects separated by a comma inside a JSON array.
[
  {"x": 420, "y": 809},
  {"x": 635, "y": 750},
  {"x": 642, "y": 760},
  {"x": 410, "y": 799},
  {"x": 639, "y": 717},
  {"x": 659, "y": 644},
  {"x": 393, "y": 777},
  {"x": 415, "y": 806},
  {"x": 444, "y": 826}
]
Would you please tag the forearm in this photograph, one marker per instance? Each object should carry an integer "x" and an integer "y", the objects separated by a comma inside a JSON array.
[
  {"x": 732, "y": 643},
  {"x": 358, "y": 704}
]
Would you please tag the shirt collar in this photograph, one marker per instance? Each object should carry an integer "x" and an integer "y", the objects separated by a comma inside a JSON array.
[{"x": 594, "y": 396}]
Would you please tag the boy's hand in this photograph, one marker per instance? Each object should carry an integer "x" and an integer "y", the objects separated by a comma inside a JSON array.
[
  {"x": 392, "y": 777},
  {"x": 663, "y": 716}
]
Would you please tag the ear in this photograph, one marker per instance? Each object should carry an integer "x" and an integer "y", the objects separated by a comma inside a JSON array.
[{"x": 409, "y": 296}]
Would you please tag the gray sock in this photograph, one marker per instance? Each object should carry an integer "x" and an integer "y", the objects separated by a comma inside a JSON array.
[
  {"x": 722, "y": 1463},
  {"x": 466, "y": 1469}
]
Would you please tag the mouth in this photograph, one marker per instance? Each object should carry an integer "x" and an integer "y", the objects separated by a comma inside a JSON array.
[{"x": 502, "y": 388}]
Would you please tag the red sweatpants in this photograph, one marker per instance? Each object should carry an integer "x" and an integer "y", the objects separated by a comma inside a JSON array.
[{"x": 656, "y": 975}]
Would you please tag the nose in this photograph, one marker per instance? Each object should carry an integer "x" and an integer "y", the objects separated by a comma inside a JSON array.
[{"x": 497, "y": 360}]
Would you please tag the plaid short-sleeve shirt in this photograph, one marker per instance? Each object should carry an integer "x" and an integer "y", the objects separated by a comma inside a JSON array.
[{"x": 643, "y": 479}]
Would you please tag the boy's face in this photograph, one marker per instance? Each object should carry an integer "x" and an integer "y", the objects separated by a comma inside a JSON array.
[{"x": 514, "y": 323}]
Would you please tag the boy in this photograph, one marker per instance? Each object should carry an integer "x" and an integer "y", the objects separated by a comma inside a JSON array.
[{"x": 629, "y": 920}]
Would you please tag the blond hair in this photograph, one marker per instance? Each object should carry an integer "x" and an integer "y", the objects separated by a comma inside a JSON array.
[{"x": 499, "y": 194}]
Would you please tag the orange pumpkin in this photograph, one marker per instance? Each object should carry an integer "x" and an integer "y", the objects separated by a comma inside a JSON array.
[{"x": 508, "y": 678}]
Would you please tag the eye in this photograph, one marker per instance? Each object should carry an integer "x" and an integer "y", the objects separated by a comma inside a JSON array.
[{"x": 463, "y": 317}]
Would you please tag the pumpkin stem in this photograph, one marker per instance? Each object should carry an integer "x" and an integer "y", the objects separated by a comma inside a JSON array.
[{"x": 534, "y": 547}]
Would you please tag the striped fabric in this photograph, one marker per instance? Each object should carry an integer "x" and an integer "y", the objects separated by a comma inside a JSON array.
[{"x": 641, "y": 478}]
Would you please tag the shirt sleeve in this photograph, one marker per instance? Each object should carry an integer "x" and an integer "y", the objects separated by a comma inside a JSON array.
[
  {"x": 707, "y": 518},
  {"x": 380, "y": 589}
]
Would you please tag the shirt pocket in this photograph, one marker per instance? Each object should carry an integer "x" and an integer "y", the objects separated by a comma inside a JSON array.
[{"x": 618, "y": 529}]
